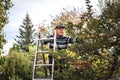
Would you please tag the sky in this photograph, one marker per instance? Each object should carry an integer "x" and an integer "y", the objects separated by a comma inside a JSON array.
[{"x": 39, "y": 11}]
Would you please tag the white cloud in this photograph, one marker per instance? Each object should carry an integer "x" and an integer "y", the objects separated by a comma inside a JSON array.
[{"x": 7, "y": 46}]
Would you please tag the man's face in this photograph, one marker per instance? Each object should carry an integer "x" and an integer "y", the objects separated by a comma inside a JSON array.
[{"x": 59, "y": 31}]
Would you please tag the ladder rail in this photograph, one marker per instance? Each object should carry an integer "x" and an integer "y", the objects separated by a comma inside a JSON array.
[
  {"x": 54, "y": 41},
  {"x": 37, "y": 44},
  {"x": 55, "y": 46}
]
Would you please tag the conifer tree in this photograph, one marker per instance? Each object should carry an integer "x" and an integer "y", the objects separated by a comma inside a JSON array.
[{"x": 26, "y": 34}]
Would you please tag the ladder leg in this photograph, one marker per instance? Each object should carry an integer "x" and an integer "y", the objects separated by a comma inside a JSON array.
[
  {"x": 52, "y": 68},
  {"x": 34, "y": 67},
  {"x": 34, "y": 70}
]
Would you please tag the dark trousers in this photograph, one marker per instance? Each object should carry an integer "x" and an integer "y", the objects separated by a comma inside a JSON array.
[
  {"x": 50, "y": 62},
  {"x": 61, "y": 62}
]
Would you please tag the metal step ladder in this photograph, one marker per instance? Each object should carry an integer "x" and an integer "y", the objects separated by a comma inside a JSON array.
[{"x": 41, "y": 68}]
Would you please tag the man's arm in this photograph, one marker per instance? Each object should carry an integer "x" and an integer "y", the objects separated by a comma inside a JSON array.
[
  {"x": 79, "y": 41},
  {"x": 45, "y": 42},
  {"x": 71, "y": 40},
  {"x": 74, "y": 40}
]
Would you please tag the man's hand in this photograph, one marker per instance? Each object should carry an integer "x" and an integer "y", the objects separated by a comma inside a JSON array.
[{"x": 79, "y": 41}]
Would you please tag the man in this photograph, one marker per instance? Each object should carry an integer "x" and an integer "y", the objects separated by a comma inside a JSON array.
[{"x": 61, "y": 42}]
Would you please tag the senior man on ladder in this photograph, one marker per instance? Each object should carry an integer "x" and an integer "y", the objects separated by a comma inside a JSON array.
[{"x": 61, "y": 41}]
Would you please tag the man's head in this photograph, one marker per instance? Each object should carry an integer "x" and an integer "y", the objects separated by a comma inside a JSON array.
[{"x": 59, "y": 30}]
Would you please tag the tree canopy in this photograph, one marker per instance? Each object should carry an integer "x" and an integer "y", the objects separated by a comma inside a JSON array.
[
  {"x": 5, "y": 5},
  {"x": 95, "y": 57}
]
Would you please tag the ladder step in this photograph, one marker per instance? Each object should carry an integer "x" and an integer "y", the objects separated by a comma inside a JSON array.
[
  {"x": 43, "y": 51},
  {"x": 42, "y": 79},
  {"x": 43, "y": 64},
  {"x": 46, "y": 39}
]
